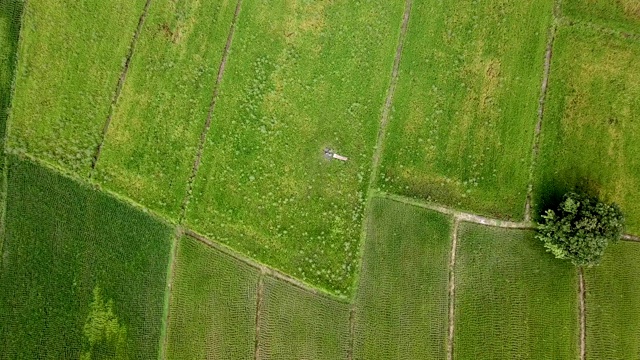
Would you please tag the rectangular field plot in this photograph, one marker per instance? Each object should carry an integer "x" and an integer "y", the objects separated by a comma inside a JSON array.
[
  {"x": 590, "y": 135},
  {"x": 613, "y": 295},
  {"x": 616, "y": 14},
  {"x": 466, "y": 104},
  {"x": 82, "y": 276},
  {"x": 71, "y": 56},
  {"x": 296, "y": 324},
  {"x": 402, "y": 301},
  {"x": 213, "y": 305},
  {"x": 512, "y": 299},
  {"x": 154, "y": 134},
  {"x": 302, "y": 76}
]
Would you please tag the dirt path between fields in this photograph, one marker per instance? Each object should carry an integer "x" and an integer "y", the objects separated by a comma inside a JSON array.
[
  {"x": 259, "y": 297},
  {"x": 121, "y": 80},
  {"x": 541, "y": 106},
  {"x": 352, "y": 330},
  {"x": 169, "y": 288},
  {"x": 452, "y": 288},
  {"x": 212, "y": 106},
  {"x": 583, "y": 322},
  {"x": 386, "y": 110}
]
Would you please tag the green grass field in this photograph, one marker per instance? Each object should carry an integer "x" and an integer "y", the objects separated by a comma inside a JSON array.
[
  {"x": 513, "y": 300},
  {"x": 466, "y": 104},
  {"x": 71, "y": 56},
  {"x": 213, "y": 305},
  {"x": 82, "y": 275},
  {"x": 296, "y": 324},
  {"x": 402, "y": 301},
  {"x": 301, "y": 77},
  {"x": 590, "y": 133},
  {"x": 613, "y": 293},
  {"x": 617, "y": 14},
  {"x": 154, "y": 134}
]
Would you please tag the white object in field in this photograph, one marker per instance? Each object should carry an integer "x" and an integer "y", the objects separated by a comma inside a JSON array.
[{"x": 340, "y": 157}]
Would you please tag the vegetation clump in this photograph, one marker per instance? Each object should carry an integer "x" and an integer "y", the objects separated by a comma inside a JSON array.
[{"x": 580, "y": 229}]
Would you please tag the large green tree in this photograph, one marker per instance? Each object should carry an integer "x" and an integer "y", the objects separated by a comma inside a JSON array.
[{"x": 581, "y": 228}]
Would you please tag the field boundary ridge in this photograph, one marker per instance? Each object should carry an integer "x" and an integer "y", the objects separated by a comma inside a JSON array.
[
  {"x": 599, "y": 28},
  {"x": 212, "y": 106},
  {"x": 119, "y": 86},
  {"x": 582, "y": 319},
  {"x": 171, "y": 271},
  {"x": 452, "y": 288}
]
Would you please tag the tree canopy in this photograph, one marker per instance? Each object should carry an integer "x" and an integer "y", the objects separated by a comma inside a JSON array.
[{"x": 580, "y": 229}]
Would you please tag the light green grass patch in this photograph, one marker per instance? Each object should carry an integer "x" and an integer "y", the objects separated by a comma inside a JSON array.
[
  {"x": 617, "y": 14},
  {"x": 71, "y": 55},
  {"x": 82, "y": 274},
  {"x": 513, "y": 299},
  {"x": 613, "y": 294},
  {"x": 402, "y": 302},
  {"x": 155, "y": 131},
  {"x": 466, "y": 104},
  {"x": 590, "y": 132},
  {"x": 213, "y": 305},
  {"x": 301, "y": 76},
  {"x": 297, "y": 324}
]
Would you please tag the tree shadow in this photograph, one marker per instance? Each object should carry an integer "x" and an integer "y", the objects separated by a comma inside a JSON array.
[{"x": 551, "y": 190}]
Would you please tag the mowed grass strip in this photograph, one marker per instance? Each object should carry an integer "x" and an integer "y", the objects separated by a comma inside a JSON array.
[
  {"x": 613, "y": 293},
  {"x": 297, "y": 324},
  {"x": 513, "y": 300},
  {"x": 466, "y": 104},
  {"x": 402, "y": 298},
  {"x": 154, "y": 134},
  {"x": 82, "y": 276},
  {"x": 71, "y": 55},
  {"x": 590, "y": 134},
  {"x": 213, "y": 305},
  {"x": 302, "y": 76},
  {"x": 617, "y": 14}
]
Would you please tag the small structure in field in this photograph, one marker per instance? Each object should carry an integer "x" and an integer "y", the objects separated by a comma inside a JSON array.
[{"x": 330, "y": 154}]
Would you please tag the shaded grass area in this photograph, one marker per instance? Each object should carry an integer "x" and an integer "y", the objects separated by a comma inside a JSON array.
[
  {"x": 613, "y": 293},
  {"x": 589, "y": 139},
  {"x": 402, "y": 301},
  {"x": 617, "y": 14},
  {"x": 81, "y": 275},
  {"x": 71, "y": 56},
  {"x": 301, "y": 76},
  {"x": 513, "y": 300},
  {"x": 155, "y": 130},
  {"x": 213, "y": 305},
  {"x": 466, "y": 104},
  {"x": 296, "y": 324}
]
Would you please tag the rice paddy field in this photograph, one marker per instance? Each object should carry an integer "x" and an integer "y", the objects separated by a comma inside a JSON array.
[
  {"x": 153, "y": 136},
  {"x": 66, "y": 77},
  {"x": 213, "y": 305},
  {"x": 402, "y": 298},
  {"x": 82, "y": 275},
  {"x": 166, "y": 192},
  {"x": 300, "y": 78},
  {"x": 618, "y": 14},
  {"x": 513, "y": 300},
  {"x": 613, "y": 321},
  {"x": 466, "y": 105},
  {"x": 590, "y": 135}
]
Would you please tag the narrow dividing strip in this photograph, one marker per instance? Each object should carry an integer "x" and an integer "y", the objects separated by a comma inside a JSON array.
[
  {"x": 541, "y": 106},
  {"x": 164, "y": 333},
  {"x": 259, "y": 303},
  {"x": 212, "y": 106},
  {"x": 462, "y": 216},
  {"x": 119, "y": 86},
  {"x": 628, "y": 237},
  {"x": 352, "y": 330},
  {"x": 583, "y": 320},
  {"x": 277, "y": 274},
  {"x": 386, "y": 110},
  {"x": 452, "y": 288}
]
